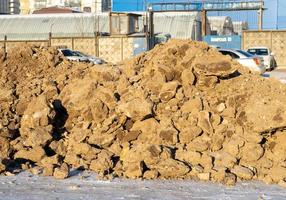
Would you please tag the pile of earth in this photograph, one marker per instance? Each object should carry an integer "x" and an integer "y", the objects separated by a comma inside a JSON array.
[{"x": 179, "y": 111}]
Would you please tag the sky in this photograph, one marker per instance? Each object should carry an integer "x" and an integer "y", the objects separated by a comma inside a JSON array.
[
  {"x": 270, "y": 20},
  {"x": 270, "y": 15}
]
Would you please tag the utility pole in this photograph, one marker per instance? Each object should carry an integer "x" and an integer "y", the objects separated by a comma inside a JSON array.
[
  {"x": 277, "y": 15},
  {"x": 204, "y": 22},
  {"x": 260, "y": 16},
  {"x": 150, "y": 28}
]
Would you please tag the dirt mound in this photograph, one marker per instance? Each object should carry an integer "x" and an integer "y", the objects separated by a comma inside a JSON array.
[{"x": 181, "y": 110}]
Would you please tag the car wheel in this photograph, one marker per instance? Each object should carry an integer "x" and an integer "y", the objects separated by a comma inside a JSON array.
[{"x": 272, "y": 65}]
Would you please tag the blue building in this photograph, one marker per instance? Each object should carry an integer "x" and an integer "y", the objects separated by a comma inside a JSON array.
[
  {"x": 136, "y": 5},
  {"x": 128, "y": 5}
]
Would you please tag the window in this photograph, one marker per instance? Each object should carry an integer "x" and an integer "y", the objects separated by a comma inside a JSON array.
[
  {"x": 229, "y": 53},
  {"x": 260, "y": 52},
  {"x": 67, "y": 52},
  {"x": 87, "y": 9},
  {"x": 246, "y": 54}
]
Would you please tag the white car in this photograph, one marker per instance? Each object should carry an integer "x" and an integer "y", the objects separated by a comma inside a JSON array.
[
  {"x": 92, "y": 59},
  {"x": 266, "y": 54},
  {"x": 254, "y": 63},
  {"x": 72, "y": 56}
]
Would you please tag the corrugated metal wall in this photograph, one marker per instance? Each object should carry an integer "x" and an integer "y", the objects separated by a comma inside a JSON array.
[
  {"x": 275, "y": 40},
  {"x": 37, "y": 27},
  {"x": 181, "y": 25}
]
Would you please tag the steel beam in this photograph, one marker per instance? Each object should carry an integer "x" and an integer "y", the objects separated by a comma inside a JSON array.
[{"x": 208, "y": 6}]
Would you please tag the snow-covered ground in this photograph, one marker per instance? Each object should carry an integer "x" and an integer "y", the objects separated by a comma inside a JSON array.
[
  {"x": 85, "y": 186},
  {"x": 277, "y": 74}
]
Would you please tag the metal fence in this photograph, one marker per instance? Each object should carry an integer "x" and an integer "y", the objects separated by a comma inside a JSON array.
[{"x": 275, "y": 40}]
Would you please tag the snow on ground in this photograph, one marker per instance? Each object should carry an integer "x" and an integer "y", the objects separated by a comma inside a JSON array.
[
  {"x": 85, "y": 186},
  {"x": 277, "y": 74}
]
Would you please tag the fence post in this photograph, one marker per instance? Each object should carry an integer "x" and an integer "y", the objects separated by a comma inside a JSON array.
[
  {"x": 5, "y": 43},
  {"x": 271, "y": 40},
  {"x": 96, "y": 44},
  {"x": 50, "y": 39},
  {"x": 122, "y": 53},
  {"x": 151, "y": 29},
  {"x": 72, "y": 43},
  {"x": 204, "y": 22}
]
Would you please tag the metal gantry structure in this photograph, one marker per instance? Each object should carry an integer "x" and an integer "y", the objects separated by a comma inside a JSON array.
[
  {"x": 207, "y": 5},
  {"x": 204, "y": 7}
]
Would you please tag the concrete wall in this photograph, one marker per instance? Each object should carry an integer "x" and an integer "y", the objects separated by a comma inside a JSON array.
[
  {"x": 275, "y": 40},
  {"x": 111, "y": 49}
]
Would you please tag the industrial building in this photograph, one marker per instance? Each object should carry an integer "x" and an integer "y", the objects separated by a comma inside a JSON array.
[
  {"x": 55, "y": 10},
  {"x": 93, "y": 6},
  {"x": 239, "y": 27},
  {"x": 38, "y": 27},
  {"x": 9, "y": 7},
  {"x": 182, "y": 25},
  {"x": 4, "y": 7},
  {"x": 29, "y": 6},
  {"x": 221, "y": 25},
  {"x": 25, "y": 7}
]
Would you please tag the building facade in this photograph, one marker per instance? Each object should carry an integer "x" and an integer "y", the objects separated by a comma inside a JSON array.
[
  {"x": 96, "y": 6},
  {"x": 24, "y": 6},
  {"x": 4, "y": 7},
  {"x": 92, "y": 6},
  {"x": 9, "y": 7}
]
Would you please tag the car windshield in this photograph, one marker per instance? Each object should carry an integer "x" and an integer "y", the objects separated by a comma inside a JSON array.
[
  {"x": 246, "y": 54},
  {"x": 260, "y": 52},
  {"x": 67, "y": 52},
  {"x": 229, "y": 53},
  {"x": 80, "y": 54}
]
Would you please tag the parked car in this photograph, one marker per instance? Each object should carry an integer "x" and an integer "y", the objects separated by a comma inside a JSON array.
[
  {"x": 266, "y": 54},
  {"x": 161, "y": 38},
  {"x": 92, "y": 59},
  {"x": 254, "y": 63},
  {"x": 72, "y": 56}
]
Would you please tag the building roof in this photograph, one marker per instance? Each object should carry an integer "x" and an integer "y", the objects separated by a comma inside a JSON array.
[
  {"x": 55, "y": 9},
  {"x": 37, "y": 27}
]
